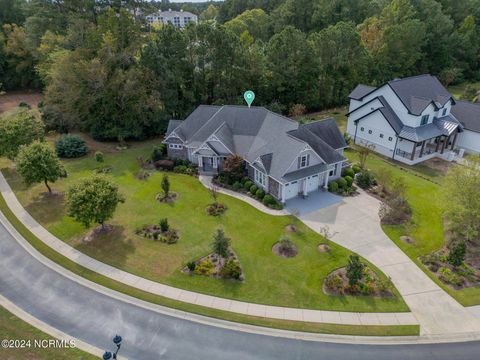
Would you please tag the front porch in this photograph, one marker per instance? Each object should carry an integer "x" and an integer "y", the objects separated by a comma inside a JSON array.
[
  {"x": 209, "y": 165},
  {"x": 415, "y": 152}
]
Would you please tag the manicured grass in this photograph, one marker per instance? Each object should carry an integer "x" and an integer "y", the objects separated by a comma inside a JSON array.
[
  {"x": 397, "y": 330},
  {"x": 424, "y": 195},
  {"x": 269, "y": 279},
  {"x": 13, "y": 328},
  {"x": 336, "y": 113}
]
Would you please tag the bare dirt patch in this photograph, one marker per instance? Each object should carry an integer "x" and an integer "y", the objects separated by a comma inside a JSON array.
[
  {"x": 407, "y": 239},
  {"x": 170, "y": 198},
  {"x": 97, "y": 231},
  {"x": 283, "y": 251},
  {"x": 438, "y": 165},
  {"x": 13, "y": 98},
  {"x": 291, "y": 228}
]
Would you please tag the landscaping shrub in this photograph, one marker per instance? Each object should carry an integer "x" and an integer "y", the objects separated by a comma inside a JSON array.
[
  {"x": 334, "y": 282},
  {"x": 260, "y": 194},
  {"x": 163, "y": 164},
  {"x": 70, "y": 146},
  {"x": 342, "y": 183},
  {"x": 231, "y": 270},
  {"x": 365, "y": 179},
  {"x": 349, "y": 172},
  {"x": 233, "y": 168},
  {"x": 448, "y": 276},
  {"x": 159, "y": 152},
  {"x": 253, "y": 189},
  {"x": 333, "y": 186},
  {"x": 456, "y": 256},
  {"x": 24, "y": 105},
  {"x": 354, "y": 270},
  {"x": 349, "y": 180},
  {"x": 356, "y": 169},
  {"x": 181, "y": 169},
  {"x": 237, "y": 186},
  {"x": 191, "y": 266},
  {"x": 205, "y": 267},
  {"x": 248, "y": 184},
  {"x": 99, "y": 157},
  {"x": 268, "y": 200},
  {"x": 245, "y": 179},
  {"x": 171, "y": 237},
  {"x": 286, "y": 247},
  {"x": 221, "y": 243},
  {"x": 395, "y": 210},
  {"x": 164, "y": 226}
]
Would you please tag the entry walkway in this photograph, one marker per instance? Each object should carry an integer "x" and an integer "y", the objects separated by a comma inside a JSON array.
[
  {"x": 239, "y": 307},
  {"x": 355, "y": 224}
]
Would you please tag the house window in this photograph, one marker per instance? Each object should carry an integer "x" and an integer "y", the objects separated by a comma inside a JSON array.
[
  {"x": 362, "y": 129},
  {"x": 176, "y": 21},
  {"x": 444, "y": 112},
  {"x": 304, "y": 161},
  {"x": 369, "y": 131},
  {"x": 381, "y": 136},
  {"x": 424, "y": 120},
  {"x": 175, "y": 146},
  {"x": 333, "y": 171},
  {"x": 390, "y": 138},
  {"x": 260, "y": 177}
]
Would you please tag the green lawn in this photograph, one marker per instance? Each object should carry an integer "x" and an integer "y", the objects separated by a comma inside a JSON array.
[
  {"x": 13, "y": 328},
  {"x": 269, "y": 279},
  {"x": 457, "y": 90},
  {"x": 339, "y": 114},
  {"x": 426, "y": 227}
]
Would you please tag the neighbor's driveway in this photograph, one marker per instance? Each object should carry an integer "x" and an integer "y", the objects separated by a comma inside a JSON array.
[{"x": 355, "y": 224}]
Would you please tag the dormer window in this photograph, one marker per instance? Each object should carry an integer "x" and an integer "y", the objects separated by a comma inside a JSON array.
[
  {"x": 424, "y": 120},
  {"x": 444, "y": 112},
  {"x": 303, "y": 161}
]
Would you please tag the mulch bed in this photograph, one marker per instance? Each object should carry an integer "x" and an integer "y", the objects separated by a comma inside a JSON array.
[
  {"x": 212, "y": 265},
  {"x": 154, "y": 232},
  {"x": 291, "y": 228},
  {"x": 284, "y": 252},
  {"x": 97, "y": 231},
  {"x": 342, "y": 286},
  {"x": 170, "y": 198},
  {"x": 216, "y": 209}
]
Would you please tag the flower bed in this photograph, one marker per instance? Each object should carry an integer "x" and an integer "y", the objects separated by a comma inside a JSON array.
[
  {"x": 155, "y": 232},
  {"x": 214, "y": 265}
]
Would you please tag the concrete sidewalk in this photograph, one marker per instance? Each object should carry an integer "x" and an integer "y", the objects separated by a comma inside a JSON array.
[
  {"x": 239, "y": 307},
  {"x": 355, "y": 225}
]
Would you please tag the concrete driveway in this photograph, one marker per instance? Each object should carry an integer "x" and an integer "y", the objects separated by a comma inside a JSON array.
[
  {"x": 355, "y": 224},
  {"x": 315, "y": 201}
]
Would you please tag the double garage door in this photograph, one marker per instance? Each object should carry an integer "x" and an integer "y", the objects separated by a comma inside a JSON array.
[{"x": 311, "y": 184}]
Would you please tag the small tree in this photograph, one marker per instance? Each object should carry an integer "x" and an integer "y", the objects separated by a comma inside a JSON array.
[
  {"x": 37, "y": 162},
  {"x": 165, "y": 186},
  {"x": 221, "y": 243},
  {"x": 18, "y": 127},
  {"x": 457, "y": 253},
  {"x": 93, "y": 199},
  {"x": 164, "y": 226},
  {"x": 233, "y": 168},
  {"x": 354, "y": 270},
  {"x": 363, "y": 154},
  {"x": 297, "y": 110},
  {"x": 214, "y": 193}
]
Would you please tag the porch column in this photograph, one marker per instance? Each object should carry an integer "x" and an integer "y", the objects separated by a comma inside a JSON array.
[
  {"x": 438, "y": 143},
  {"x": 445, "y": 142},
  {"x": 215, "y": 164},
  {"x": 326, "y": 180},
  {"x": 423, "y": 148},
  {"x": 454, "y": 142},
  {"x": 413, "y": 151},
  {"x": 200, "y": 161}
]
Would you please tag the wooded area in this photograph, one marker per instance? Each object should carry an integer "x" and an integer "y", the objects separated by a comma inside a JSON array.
[{"x": 104, "y": 71}]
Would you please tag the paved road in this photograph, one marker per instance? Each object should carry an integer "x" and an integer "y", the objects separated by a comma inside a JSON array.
[{"x": 95, "y": 317}]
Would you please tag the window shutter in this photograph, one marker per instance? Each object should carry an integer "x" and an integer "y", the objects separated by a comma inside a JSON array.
[
  {"x": 308, "y": 159},
  {"x": 299, "y": 162}
]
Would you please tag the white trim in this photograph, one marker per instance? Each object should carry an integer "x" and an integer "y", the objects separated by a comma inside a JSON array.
[{"x": 173, "y": 135}]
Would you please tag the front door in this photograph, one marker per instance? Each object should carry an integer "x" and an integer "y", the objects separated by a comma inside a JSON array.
[{"x": 207, "y": 163}]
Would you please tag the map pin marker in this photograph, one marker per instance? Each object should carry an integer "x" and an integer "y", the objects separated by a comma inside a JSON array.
[{"x": 249, "y": 96}]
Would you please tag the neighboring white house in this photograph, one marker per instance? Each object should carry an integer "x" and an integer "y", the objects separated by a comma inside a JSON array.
[
  {"x": 178, "y": 18},
  {"x": 285, "y": 158},
  {"x": 412, "y": 120}
]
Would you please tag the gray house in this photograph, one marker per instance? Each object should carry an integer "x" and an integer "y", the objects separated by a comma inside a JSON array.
[{"x": 284, "y": 158}]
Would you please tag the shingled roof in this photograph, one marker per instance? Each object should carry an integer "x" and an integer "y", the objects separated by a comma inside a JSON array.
[
  {"x": 256, "y": 133},
  {"x": 468, "y": 114}
]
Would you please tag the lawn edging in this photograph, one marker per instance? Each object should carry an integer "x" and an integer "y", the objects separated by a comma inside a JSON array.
[{"x": 314, "y": 327}]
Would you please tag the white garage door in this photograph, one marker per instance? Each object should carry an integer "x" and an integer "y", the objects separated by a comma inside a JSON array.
[
  {"x": 291, "y": 190},
  {"x": 312, "y": 183}
]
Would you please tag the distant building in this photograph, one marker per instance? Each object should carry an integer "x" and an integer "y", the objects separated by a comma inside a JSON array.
[{"x": 178, "y": 18}]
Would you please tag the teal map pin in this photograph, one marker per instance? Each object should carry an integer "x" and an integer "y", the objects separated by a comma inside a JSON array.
[{"x": 249, "y": 96}]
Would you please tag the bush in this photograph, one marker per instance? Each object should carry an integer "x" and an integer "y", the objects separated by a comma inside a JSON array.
[
  {"x": 205, "y": 267},
  {"x": 233, "y": 168},
  {"x": 365, "y": 179},
  {"x": 456, "y": 256},
  {"x": 248, "y": 184},
  {"x": 70, "y": 146},
  {"x": 354, "y": 270},
  {"x": 342, "y": 183},
  {"x": 245, "y": 179},
  {"x": 237, "y": 186},
  {"x": 268, "y": 200},
  {"x": 253, "y": 189},
  {"x": 260, "y": 194},
  {"x": 334, "y": 282},
  {"x": 164, "y": 226},
  {"x": 450, "y": 277},
  {"x": 286, "y": 247},
  {"x": 181, "y": 169},
  {"x": 159, "y": 152},
  {"x": 349, "y": 172},
  {"x": 356, "y": 169},
  {"x": 349, "y": 180},
  {"x": 231, "y": 270},
  {"x": 163, "y": 164},
  {"x": 99, "y": 157},
  {"x": 333, "y": 186},
  {"x": 171, "y": 237},
  {"x": 191, "y": 266}
]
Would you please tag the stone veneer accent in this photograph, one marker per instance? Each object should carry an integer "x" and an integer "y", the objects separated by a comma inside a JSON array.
[
  {"x": 274, "y": 188},
  {"x": 176, "y": 153}
]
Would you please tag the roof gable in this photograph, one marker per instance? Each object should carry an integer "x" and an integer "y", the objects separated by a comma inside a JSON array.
[{"x": 468, "y": 114}]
